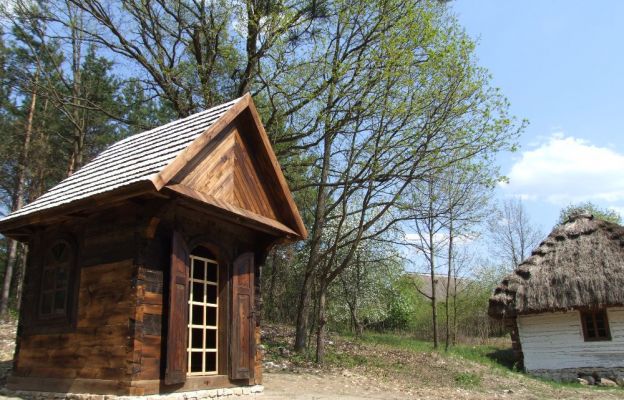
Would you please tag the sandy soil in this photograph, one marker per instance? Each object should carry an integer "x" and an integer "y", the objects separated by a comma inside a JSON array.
[{"x": 325, "y": 386}]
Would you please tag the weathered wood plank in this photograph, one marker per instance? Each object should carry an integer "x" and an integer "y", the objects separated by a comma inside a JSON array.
[
  {"x": 78, "y": 385},
  {"x": 275, "y": 169},
  {"x": 98, "y": 347},
  {"x": 555, "y": 340},
  {"x": 232, "y": 211}
]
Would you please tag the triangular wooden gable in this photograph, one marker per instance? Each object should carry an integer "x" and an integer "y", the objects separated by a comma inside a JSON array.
[
  {"x": 228, "y": 167},
  {"x": 233, "y": 167}
]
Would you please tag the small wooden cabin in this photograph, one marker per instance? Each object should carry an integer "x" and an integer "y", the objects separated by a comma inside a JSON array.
[
  {"x": 144, "y": 266},
  {"x": 565, "y": 303}
]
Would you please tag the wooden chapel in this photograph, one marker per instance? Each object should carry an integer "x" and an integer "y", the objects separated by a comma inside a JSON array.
[{"x": 143, "y": 266}]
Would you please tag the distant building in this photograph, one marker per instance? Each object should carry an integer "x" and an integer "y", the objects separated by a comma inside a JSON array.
[
  {"x": 424, "y": 284},
  {"x": 565, "y": 302}
]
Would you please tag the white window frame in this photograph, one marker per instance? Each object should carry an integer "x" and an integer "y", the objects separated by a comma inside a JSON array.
[{"x": 205, "y": 262}]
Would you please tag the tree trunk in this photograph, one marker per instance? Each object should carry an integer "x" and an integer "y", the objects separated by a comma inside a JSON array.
[
  {"x": 18, "y": 200},
  {"x": 19, "y": 278},
  {"x": 253, "y": 19},
  {"x": 448, "y": 283},
  {"x": 359, "y": 327},
  {"x": 39, "y": 185},
  {"x": 434, "y": 306},
  {"x": 356, "y": 325},
  {"x": 320, "y": 330},
  {"x": 315, "y": 247},
  {"x": 303, "y": 311},
  {"x": 8, "y": 277},
  {"x": 319, "y": 216},
  {"x": 75, "y": 161},
  {"x": 455, "y": 309}
]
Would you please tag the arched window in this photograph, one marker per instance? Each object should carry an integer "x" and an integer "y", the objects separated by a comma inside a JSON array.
[
  {"x": 55, "y": 280},
  {"x": 203, "y": 306}
]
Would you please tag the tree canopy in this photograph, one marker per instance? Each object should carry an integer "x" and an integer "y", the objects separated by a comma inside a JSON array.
[{"x": 366, "y": 102}]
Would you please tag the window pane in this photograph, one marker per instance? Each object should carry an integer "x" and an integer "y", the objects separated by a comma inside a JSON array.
[
  {"x": 602, "y": 333},
  {"x": 196, "y": 338},
  {"x": 211, "y": 296},
  {"x": 46, "y": 303},
  {"x": 600, "y": 323},
  {"x": 211, "y": 362},
  {"x": 196, "y": 362},
  {"x": 59, "y": 252},
  {"x": 590, "y": 331},
  {"x": 198, "y": 291},
  {"x": 61, "y": 278},
  {"x": 212, "y": 272},
  {"x": 211, "y": 338},
  {"x": 198, "y": 270},
  {"x": 48, "y": 279},
  {"x": 59, "y": 301},
  {"x": 211, "y": 316},
  {"x": 203, "y": 342},
  {"x": 198, "y": 315}
]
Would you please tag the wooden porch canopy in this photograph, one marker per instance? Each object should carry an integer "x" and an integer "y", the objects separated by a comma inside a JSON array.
[{"x": 220, "y": 160}]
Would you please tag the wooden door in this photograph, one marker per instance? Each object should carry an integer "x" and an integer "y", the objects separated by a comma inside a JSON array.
[
  {"x": 175, "y": 371},
  {"x": 242, "y": 344}
]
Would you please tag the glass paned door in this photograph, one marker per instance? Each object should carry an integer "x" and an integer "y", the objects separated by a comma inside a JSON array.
[{"x": 203, "y": 306}]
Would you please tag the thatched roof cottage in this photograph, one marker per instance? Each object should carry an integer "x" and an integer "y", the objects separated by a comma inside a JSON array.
[{"x": 564, "y": 303}]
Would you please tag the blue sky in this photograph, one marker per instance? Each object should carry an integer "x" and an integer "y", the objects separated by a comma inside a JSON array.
[{"x": 561, "y": 64}]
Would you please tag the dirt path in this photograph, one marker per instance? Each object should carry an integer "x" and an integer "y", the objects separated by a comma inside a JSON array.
[
  {"x": 383, "y": 372},
  {"x": 325, "y": 386}
]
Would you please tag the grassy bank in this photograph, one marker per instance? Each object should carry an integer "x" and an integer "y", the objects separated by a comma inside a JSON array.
[{"x": 402, "y": 361}]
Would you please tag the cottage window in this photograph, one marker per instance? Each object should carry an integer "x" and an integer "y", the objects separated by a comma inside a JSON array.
[
  {"x": 595, "y": 325},
  {"x": 55, "y": 275},
  {"x": 203, "y": 306}
]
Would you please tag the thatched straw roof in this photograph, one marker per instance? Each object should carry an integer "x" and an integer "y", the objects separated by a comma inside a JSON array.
[{"x": 580, "y": 264}]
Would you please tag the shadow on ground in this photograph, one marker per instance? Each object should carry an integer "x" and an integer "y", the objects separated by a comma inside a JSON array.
[
  {"x": 504, "y": 357},
  {"x": 5, "y": 370}
]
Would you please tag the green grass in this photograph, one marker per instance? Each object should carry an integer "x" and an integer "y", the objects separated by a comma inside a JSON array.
[
  {"x": 468, "y": 379},
  {"x": 397, "y": 341},
  {"x": 493, "y": 356}
]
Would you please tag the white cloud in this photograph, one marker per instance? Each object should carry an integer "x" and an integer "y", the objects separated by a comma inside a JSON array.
[{"x": 565, "y": 169}]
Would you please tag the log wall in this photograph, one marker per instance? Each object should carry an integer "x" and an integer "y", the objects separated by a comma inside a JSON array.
[
  {"x": 554, "y": 341},
  {"x": 117, "y": 343},
  {"x": 97, "y": 346}
]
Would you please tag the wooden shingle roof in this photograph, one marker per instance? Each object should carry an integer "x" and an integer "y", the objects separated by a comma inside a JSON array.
[
  {"x": 137, "y": 158},
  {"x": 151, "y": 160}
]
